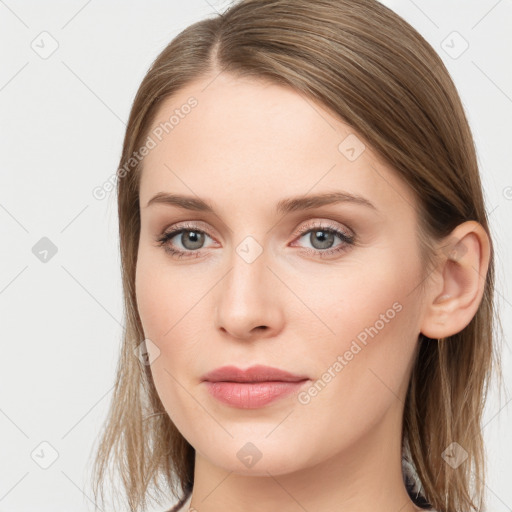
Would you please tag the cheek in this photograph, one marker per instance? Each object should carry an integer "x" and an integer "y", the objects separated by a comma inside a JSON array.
[
  {"x": 167, "y": 303},
  {"x": 160, "y": 296},
  {"x": 360, "y": 376},
  {"x": 160, "y": 309},
  {"x": 369, "y": 336}
]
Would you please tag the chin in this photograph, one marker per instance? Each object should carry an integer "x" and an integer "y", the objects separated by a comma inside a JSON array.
[{"x": 258, "y": 457}]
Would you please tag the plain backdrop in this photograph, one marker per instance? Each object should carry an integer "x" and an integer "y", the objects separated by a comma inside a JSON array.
[{"x": 69, "y": 72}]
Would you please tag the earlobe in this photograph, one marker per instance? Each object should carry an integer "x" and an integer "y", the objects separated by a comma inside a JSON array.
[{"x": 461, "y": 276}]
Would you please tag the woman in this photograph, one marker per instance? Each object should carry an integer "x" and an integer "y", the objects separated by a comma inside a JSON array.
[{"x": 307, "y": 268}]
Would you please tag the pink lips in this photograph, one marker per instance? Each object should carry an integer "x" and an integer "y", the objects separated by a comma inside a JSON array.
[{"x": 251, "y": 388}]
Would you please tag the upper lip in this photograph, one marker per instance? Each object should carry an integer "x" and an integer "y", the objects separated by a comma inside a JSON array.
[{"x": 258, "y": 373}]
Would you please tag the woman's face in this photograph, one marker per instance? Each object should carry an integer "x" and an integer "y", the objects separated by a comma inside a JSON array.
[{"x": 266, "y": 280}]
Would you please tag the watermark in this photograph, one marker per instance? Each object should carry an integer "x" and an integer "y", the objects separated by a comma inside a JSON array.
[
  {"x": 304, "y": 397},
  {"x": 454, "y": 249},
  {"x": 454, "y": 44},
  {"x": 249, "y": 249},
  {"x": 454, "y": 455},
  {"x": 44, "y": 455},
  {"x": 157, "y": 134},
  {"x": 351, "y": 147},
  {"x": 249, "y": 454},
  {"x": 44, "y": 250},
  {"x": 220, "y": 6},
  {"x": 146, "y": 352},
  {"x": 44, "y": 44}
]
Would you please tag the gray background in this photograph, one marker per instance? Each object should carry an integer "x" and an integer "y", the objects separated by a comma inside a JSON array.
[{"x": 62, "y": 124}]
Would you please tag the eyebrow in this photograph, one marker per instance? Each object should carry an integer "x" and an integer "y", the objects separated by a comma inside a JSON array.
[{"x": 284, "y": 206}]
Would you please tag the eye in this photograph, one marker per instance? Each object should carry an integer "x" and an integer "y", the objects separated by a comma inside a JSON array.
[
  {"x": 190, "y": 237},
  {"x": 321, "y": 236}
]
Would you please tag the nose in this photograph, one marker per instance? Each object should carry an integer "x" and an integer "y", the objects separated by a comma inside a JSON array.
[{"x": 249, "y": 299}]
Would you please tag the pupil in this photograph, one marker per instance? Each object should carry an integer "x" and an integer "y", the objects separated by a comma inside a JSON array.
[
  {"x": 194, "y": 238},
  {"x": 326, "y": 239}
]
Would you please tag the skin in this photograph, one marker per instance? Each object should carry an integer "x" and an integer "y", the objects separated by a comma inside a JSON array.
[{"x": 245, "y": 146}]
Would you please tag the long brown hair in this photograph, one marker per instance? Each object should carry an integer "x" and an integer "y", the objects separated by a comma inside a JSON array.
[{"x": 379, "y": 75}]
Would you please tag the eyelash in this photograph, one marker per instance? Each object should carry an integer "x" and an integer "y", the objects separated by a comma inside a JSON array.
[{"x": 348, "y": 240}]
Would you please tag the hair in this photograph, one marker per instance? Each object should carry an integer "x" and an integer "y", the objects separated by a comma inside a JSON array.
[{"x": 376, "y": 73}]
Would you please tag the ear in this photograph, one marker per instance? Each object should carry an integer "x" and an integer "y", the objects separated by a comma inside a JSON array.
[{"x": 458, "y": 283}]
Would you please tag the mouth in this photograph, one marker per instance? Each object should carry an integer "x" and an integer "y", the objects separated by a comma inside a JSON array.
[
  {"x": 254, "y": 374},
  {"x": 252, "y": 388}
]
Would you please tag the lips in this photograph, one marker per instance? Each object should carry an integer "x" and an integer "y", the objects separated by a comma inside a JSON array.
[
  {"x": 257, "y": 373},
  {"x": 252, "y": 388}
]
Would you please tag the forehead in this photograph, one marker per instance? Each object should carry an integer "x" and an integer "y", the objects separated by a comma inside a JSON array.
[{"x": 247, "y": 141}]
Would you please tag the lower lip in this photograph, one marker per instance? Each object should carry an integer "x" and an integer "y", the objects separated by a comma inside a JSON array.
[{"x": 252, "y": 395}]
